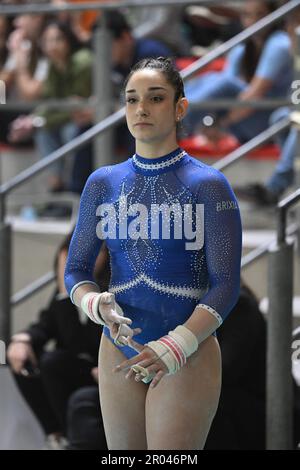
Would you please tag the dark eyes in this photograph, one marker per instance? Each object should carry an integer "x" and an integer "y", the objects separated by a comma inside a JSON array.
[
  {"x": 155, "y": 99},
  {"x": 131, "y": 100}
]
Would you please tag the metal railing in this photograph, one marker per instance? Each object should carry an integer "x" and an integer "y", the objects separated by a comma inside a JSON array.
[
  {"x": 262, "y": 250},
  {"x": 44, "y": 281},
  {"x": 254, "y": 143},
  {"x": 11, "y": 10},
  {"x": 71, "y": 105},
  {"x": 32, "y": 288},
  {"x": 222, "y": 164},
  {"x": 118, "y": 116},
  {"x": 279, "y": 333},
  {"x": 278, "y": 416}
]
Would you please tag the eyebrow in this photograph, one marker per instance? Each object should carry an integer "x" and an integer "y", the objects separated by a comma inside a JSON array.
[{"x": 149, "y": 89}]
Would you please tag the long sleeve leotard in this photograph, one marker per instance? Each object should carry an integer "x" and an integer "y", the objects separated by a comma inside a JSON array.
[{"x": 172, "y": 226}]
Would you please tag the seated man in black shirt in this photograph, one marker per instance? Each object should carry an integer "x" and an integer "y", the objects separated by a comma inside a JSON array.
[{"x": 47, "y": 379}]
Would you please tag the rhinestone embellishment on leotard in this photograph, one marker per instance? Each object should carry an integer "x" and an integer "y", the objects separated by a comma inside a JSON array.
[
  {"x": 212, "y": 311},
  {"x": 160, "y": 165},
  {"x": 165, "y": 288}
]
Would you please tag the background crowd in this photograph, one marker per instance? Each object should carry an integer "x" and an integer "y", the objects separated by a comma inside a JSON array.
[{"x": 45, "y": 58}]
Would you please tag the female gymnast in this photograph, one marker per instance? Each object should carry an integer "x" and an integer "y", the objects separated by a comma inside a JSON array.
[{"x": 173, "y": 230}]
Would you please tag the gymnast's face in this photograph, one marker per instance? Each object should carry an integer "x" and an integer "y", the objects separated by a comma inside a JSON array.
[{"x": 151, "y": 111}]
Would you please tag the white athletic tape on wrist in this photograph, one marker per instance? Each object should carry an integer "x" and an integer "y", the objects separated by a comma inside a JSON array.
[
  {"x": 187, "y": 340},
  {"x": 90, "y": 306},
  {"x": 107, "y": 298},
  {"x": 180, "y": 343},
  {"x": 176, "y": 352},
  {"x": 168, "y": 359}
]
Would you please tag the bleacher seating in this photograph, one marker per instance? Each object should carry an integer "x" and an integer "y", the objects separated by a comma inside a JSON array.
[{"x": 199, "y": 146}]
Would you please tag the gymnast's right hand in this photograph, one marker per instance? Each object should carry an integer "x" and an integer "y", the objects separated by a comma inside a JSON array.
[{"x": 103, "y": 309}]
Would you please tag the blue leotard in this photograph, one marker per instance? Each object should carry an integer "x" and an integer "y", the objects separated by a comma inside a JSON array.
[{"x": 172, "y": 226}]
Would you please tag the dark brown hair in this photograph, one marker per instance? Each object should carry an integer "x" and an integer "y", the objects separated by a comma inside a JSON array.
[{"x": 165, "y": 66}]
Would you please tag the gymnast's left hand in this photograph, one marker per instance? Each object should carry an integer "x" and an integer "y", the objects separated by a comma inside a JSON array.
[{"x": 148, "y": 360}]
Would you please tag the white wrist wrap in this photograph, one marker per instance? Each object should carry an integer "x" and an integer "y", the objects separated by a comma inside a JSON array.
[
  {"x": 90, "y": 305},
  {"x": 175, "y": 348},
  {"x": 164, "y": 354},
  {"x": 187, "y": 340}
]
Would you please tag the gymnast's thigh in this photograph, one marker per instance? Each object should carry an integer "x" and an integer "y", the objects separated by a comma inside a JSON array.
[
  {"x": 180, "y": 410},
  {"x": 122, "y": 402}
]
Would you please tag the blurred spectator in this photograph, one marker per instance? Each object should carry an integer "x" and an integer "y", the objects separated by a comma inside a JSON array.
[
  {"x": 126, "y": 51},
  {"x": 47, "y": 378},
  {"x": 84, "y": 429},
  {"x": 161, "y": 23},
  {"x": 283, "y": 176},
  {"x": 81, "y": 22},
  {"x": 5, "y": 29},
  {"x": 22, "y": 2},
  {"x": 69, "y": 76},
  {"x": 260, "y": 68},
  {"x": 206, "y": 27},
  {"x": 83, "y": 162},
  {"x": 24, "y": 68},
  {"x": 164, "y": 23}
]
